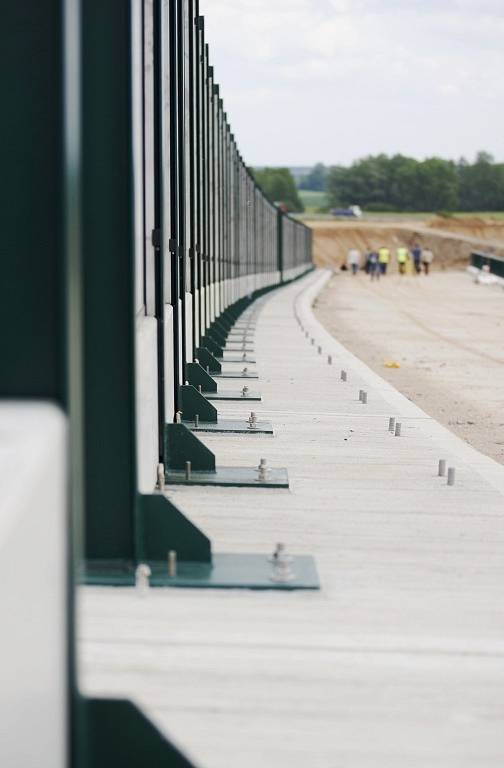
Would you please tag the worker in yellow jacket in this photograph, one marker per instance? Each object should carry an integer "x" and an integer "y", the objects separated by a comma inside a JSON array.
[
  {"x": 402, "y": 259},
  {"x": 383, "y": 259}
]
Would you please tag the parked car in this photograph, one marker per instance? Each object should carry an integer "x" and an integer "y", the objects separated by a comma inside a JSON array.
[{"x": 353, "y": 211}]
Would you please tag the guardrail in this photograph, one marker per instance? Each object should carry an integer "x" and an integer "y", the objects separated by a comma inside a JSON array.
[
  {"x": 134, "y": 236},
  {"x": 495, "y": 264}
]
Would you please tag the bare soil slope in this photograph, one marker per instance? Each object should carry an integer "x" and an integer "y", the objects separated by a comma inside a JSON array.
[
  {"x": 332, "y": 240},
  {"x": 471, "y": 226}
]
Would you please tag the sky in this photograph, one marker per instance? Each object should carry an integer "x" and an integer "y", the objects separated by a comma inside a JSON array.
[{"x": 305, "y": 81}]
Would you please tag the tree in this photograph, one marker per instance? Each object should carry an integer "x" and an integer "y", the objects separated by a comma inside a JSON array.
[
  {"x": 364, "y": 182},
  {"x": 404, "y": 184},
  {"x": 437, "y": 185},
  {"x": 278, "y": 184},
  {"x": 481, "y": 184},
  {"x": 337, "y": 183},
  {"x": 316, "y": 179}
]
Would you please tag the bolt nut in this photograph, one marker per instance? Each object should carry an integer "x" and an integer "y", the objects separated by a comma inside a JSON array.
[
  {"x": 160, "y": 476},
  {"x": 282, "y": 572},
  {"x": 142, "y": 576},
  {"x": 172, "y": 563}
]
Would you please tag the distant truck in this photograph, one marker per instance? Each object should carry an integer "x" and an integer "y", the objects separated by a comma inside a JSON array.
[{"x": 353, "y": 211}]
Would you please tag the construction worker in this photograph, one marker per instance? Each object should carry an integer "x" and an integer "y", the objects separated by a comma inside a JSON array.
[
  {"x": 383, "y": 259},
  {"x": 427, "y": 259},
  {"x": 416, "y": 252},
  {"x": 353, "y": 260},
  {"x": 372, "y": 265},
  {"x": 402, "y": 259}
]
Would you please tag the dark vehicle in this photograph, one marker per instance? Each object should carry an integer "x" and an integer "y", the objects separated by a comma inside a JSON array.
[{"x": 353, "y": 212}]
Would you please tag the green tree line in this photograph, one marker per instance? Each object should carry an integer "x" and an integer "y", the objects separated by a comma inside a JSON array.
[
  {"x": 402, "y": 183},
  {"x": 316, "y": 179},
  {"x": 279, "y": 185}
]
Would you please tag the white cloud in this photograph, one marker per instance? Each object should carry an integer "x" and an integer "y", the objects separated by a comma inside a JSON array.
[{"x": 336, "y": 79}]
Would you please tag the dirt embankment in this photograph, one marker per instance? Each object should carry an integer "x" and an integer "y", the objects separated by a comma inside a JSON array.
[
  {"x": 470, "y": 226},
  {"x": 451, "y": 247}
]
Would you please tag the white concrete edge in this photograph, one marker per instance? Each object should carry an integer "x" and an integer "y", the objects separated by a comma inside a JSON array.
[
  {"x": 33, "y": 583},
  {"x": 400, "y": 406},
  {"x": 484, "y": 278}
]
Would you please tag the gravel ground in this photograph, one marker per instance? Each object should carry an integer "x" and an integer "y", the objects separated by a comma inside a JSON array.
[{"x": 445, "y": 332}]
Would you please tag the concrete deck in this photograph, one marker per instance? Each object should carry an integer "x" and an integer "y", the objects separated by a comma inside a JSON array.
[{"x": 399, "y": 659}]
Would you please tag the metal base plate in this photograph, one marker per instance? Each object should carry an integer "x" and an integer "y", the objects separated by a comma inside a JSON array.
[
  {"x": 237, "y": 375},
  {"x": 232, "y": 396},
  {"x": 238, "y": 359},
  {"x": 231, "y": 425},
  {"x": 230, "y": 476},
  {"x": 227, "y": 571}
]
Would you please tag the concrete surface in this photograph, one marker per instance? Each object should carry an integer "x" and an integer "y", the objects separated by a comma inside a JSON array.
[
  {"x": 446, "y": 333},
  {"x": 398, "y": 660}
]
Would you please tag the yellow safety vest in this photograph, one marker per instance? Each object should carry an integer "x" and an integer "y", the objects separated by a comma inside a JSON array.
[
  {"x": 402, "y": 255},
  {"x": 383, "y": 255}
]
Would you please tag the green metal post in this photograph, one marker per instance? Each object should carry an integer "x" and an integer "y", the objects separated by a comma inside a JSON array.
[{"x": 280, "y": 244}]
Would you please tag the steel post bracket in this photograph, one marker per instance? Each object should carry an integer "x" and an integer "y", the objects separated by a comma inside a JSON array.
[
  {"x": 227, "y": 571},
  {"x": 238, "y": 396},
  {"x": 207, "y": 359},
  {"x": 217, "y": 336},
  {"x": 239, "y": 338},
  {"x": 194, "y": 403},
  {"x": 163, "y": 527},
  {"x": 244, "y": 361},
  {"x": 115, "y": 732},
  {"x": 215, "y": 349},
  {"x": 235, "y": 375},
  {"x": 239, "y": 426},
  {"x": 196, "y": 375},
  {"x": 222, "y": 327},
  {"x": 233, "y": 347},
  {"x": 182, "y": 446},
  {"x": 235, "y": 477}
]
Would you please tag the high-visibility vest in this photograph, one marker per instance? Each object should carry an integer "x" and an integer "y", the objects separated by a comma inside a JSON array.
[
  {"x": 383, "y": 255},
  {"x": 402, "y": 255}
]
